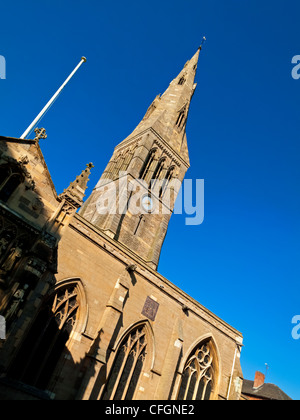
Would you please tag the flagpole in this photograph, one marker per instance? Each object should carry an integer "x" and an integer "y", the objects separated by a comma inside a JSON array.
[{"x": 54, "y": 97}]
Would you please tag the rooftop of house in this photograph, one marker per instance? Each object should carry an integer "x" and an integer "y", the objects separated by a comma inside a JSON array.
[{"x": 261, "y": 390}]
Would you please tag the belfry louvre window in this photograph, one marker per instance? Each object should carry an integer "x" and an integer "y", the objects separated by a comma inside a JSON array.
[
  {"x": 198, "y": 375},
  {"x": 147, "y": 165},
  {"x": 166, "y": 181},
  {"x": 159, "y": 168},
  {"x": 127, "y": 366}
]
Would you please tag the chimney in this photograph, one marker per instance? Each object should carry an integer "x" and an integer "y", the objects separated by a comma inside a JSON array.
[{"x": 259, "y": 380}]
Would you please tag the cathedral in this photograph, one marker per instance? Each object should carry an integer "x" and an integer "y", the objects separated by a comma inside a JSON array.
[{"x": 87, "y": 316}]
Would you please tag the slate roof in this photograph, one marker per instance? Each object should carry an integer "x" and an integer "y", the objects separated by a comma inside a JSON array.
[{"x": 266, "y": 391}]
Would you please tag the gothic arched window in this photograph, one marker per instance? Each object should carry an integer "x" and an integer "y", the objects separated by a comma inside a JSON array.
[
  {"x": 198, "y": 375},
  {"x": 158, "y": 170},
  {"x": 147, "y": 165},
  {"x": 10, "y": 179},
  {"x": 166, "y": 181},
  {"x": 127, "y": 366},
  {"x": 46, "y": 341}
]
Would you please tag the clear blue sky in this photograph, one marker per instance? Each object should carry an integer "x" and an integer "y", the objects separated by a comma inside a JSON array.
[{"x": 243, "y": 132}]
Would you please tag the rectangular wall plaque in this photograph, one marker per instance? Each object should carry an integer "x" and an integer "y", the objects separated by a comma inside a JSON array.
[{"x": 150, "y": 309}]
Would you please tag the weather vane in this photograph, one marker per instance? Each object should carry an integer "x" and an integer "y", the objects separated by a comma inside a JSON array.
[
  {"x": 202, "y": 43},
  {"x": 267, "y": 368}
]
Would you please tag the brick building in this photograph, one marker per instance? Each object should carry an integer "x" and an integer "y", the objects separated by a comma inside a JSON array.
[
  {"x": 87, "y": 314},
  {"x": 259, "y": 390}
]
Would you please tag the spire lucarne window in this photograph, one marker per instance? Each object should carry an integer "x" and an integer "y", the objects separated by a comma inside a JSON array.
[
  {"x": 181, "y": 118},
  {"x": 181, "y": 81}
]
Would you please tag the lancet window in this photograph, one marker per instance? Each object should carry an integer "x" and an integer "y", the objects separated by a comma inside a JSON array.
[
  {"x": 147, "y": 165},
  {"x": 181, "y": 118},
  {"x": 181, "y": 81},
  {"x": 166, "y": 181}
]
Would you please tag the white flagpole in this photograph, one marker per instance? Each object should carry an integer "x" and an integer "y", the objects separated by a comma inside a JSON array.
[{"x": 45, "y": 109}]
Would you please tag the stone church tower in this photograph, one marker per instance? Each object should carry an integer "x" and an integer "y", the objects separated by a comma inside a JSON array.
[
  {"x": 88, "y": 316},
  {"x": 156, "y": 151}
]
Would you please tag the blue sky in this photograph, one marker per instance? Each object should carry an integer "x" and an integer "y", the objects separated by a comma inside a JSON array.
[{"x": 242, "y": 263}]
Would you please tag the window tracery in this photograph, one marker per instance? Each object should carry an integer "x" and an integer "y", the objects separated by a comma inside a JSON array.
[
  {"x": 127, "y": 367},
  {"x": 198, "y": 375},
  {"x": 48, "y": 336}
]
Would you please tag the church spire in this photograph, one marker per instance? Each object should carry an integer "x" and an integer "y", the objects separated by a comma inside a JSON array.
[
  {"x": 155, "y": 155},
  {"x": 168, "y": 113}
]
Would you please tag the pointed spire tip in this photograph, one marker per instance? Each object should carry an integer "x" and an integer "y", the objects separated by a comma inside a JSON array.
[{"x": 204, "y": 39}]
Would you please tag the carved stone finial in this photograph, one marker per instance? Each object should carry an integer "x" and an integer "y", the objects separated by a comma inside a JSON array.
[
  {"x": 40, "y": 133},
  {"x": 76, "y": 190}
]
